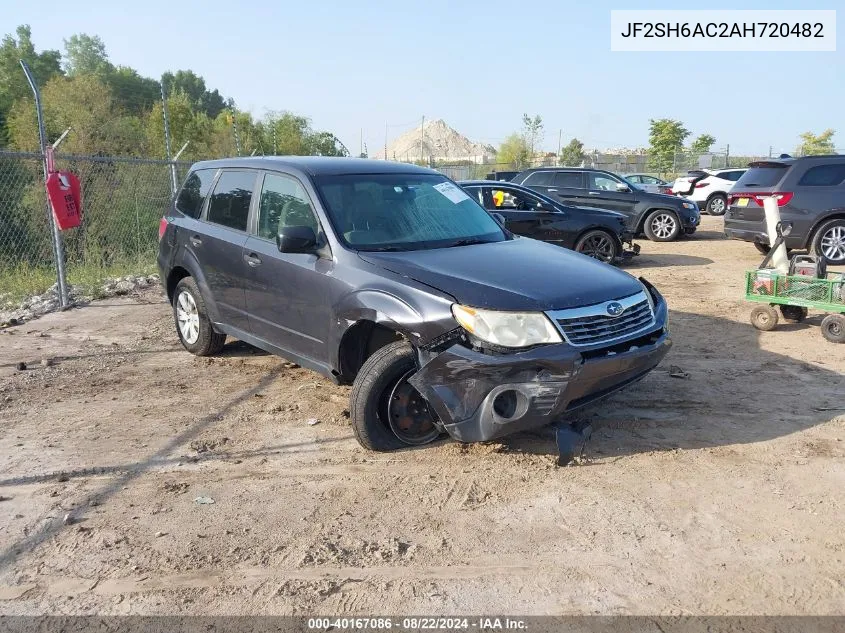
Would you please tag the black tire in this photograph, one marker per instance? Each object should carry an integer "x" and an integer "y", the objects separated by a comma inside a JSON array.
[
  {"x": 662, "y": 225},
  {"x": 763, "y": 249},
  {"x": 207, "y": 341},
  {"x": 793, "y": 314},
  {"x": 371, "y": 391},
  {"x": 828, "y": 241},
  {"x": 717, "y": 204},
  {"x": 833, "y": 328},
  {"x": 600, "y": 245},
  {"x": 764, "y": 318}
]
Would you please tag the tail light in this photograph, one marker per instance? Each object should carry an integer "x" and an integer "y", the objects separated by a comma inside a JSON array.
[
  {"x": 162, "y": 227},
  {"x": 783, "y": 197},
  {"x": 701, "y": 185}
]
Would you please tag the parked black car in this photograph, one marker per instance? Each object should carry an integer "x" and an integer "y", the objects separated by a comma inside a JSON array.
[
  {"x": 390, "y": 277},
  {"x": 501, "y": 175},
  {"x": 810, "y": 193},
  {"x": 598, "y": 233},
  {"x": 662, "y": 218}
]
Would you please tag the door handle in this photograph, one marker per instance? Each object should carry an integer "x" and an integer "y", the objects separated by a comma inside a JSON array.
[
  {"x": 595, "y": 193},
  {"x": 195, "y": 240},
  {"x": 252, "y": 259},
  {"x": 552, "y": 190}
]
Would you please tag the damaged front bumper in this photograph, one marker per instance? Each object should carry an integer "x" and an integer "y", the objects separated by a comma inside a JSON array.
[
  {"x": 629, "y": 248},
  {"x": 480, "y": 396}
]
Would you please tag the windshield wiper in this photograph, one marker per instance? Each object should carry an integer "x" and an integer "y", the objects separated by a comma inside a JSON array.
[
  {"x": 385, "y": 249},
  {"x": 469, "y": 241}
]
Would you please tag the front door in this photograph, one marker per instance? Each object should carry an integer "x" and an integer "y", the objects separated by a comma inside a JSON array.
[
  {"x": 219, "y": 244},
  {"x": 287, "y": 293},
  {"x": 526, "y": 214},
  {"x": 602, "y": 193}
]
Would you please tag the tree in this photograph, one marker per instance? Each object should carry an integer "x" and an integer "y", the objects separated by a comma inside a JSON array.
[
  {"x": 132, "y": 92},
  {"x": 13, "y": 83},
  {"x": 532, "y": 132},
  {"x": 327, "y": 144},
  {"x": 573, "y": 154},
  {"x": 187, "y": 81},
  {"x": 666, "y": 137},
  {"x": 86, "y": 55},
  {"x": 514, "y": 151},
  {"x": 702, "y": 144},
  {"x": 813, "y": 145}
]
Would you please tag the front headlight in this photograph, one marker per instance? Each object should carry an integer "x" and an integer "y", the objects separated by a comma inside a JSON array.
[
  {"x": 649, "y": 297},
  {"x": 508, "y": 329},
  {"x": 690, "y": 205}
]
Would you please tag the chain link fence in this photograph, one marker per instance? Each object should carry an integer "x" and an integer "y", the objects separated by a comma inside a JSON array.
[{"x": 123, "y": 200}]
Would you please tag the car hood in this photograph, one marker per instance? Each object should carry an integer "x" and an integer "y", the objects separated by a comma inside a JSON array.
[{"x": 518, "y": 274}]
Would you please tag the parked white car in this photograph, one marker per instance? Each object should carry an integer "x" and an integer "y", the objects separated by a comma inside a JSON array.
[
  {"x": 708, "y": 187},
  {"x": 649, "y": 183}
]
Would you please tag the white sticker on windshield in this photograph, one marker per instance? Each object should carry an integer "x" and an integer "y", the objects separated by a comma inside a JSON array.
[{"x": 452, "y": 192}]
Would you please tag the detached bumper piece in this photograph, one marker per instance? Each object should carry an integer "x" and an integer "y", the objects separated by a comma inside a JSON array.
[
  {"x": 480, "y": 396},
  {"x": 629, "y": 248}
]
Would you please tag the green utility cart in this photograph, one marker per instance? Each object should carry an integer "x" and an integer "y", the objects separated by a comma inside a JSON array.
[{"x": 795, "y": 294}]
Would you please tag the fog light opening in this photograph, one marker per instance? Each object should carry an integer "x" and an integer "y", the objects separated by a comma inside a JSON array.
[{"x": 504, "y": 405}]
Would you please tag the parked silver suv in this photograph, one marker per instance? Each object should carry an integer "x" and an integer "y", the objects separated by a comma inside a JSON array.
[{"x": 811, "y": 195}]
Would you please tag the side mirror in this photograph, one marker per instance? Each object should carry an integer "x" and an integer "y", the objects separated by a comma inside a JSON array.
[
  {"x": 296, "y": 239},
  {"x": 621, "y": 186},
  {"x": 783, "y": 228},
  {"x": 499, "y": 218}
]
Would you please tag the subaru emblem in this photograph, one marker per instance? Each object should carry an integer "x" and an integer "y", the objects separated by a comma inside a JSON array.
[{"x": 614, "y": 308}]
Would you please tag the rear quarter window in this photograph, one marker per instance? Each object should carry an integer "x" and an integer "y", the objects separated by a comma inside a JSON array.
[
  {"x": 540, "y": 179},
  {"x": 768, "y": 176},
  {"x": 823, "y": 176},
  {"x": 194, "y": 192}
]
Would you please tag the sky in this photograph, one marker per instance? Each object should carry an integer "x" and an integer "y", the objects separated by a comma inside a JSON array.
[{"x": 366, "y": 65}]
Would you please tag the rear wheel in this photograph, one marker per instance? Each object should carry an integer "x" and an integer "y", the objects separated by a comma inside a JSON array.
[
  {"x": 829, "y": 241},
  {"x": 599, "y": 245},
  {"x": 764, "y": 318},
  {"x": 717, "y": 204},
  {"x": 662, "y": 226},
  {"x": 192, "y": 322},
  {"x": 387, "y": 412},
  {"x": 793, "y": 314},
  {"x": 833, "y": 328}
]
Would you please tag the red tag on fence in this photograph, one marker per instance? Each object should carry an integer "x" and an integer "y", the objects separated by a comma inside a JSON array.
[{"x": 64, "y": 193}]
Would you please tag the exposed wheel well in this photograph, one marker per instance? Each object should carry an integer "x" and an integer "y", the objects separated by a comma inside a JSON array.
[
  {"x": 645, "y": 215},
  {"x": 811, "y": 236},
  {"x": 714, "y": 194},
  {"x": 360, "y": 342},
  {"x": 599, "y": 228},
  {"x": 176, "y": 275}
]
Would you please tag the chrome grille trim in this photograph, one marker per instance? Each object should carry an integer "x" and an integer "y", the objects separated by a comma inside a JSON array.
[{"x": 591, "y": 325}]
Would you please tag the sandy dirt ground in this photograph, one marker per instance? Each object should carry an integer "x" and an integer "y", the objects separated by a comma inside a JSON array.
[{"x": 716, "y": 493}]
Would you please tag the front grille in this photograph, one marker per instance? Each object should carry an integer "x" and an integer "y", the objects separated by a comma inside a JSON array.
[{"x": 592, "y": 325}]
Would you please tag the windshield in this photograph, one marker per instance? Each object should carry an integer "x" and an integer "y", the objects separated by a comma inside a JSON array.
[{"x": 372, "y": 212}]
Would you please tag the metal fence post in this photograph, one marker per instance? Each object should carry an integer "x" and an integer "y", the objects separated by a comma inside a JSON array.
[
  {"x": 173, "y": 183},
  {"x": 58, "y": 249}
]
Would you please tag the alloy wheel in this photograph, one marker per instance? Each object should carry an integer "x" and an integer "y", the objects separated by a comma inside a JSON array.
[
  {"x": 717, "y": 206},
  {"x": 833, "y": 243},
  {"x": 408, "y": 414},
  {"x": 188, "y": 317},
  {"x": 598, "y": 246},
  {"x": 663, "y": 225}
]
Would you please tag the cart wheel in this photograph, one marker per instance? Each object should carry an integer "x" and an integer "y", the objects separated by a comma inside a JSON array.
[
  {"x": 793, "y": 314},
  {"x": 833, "y": 328},
  {"x": 764, "y": 318}
]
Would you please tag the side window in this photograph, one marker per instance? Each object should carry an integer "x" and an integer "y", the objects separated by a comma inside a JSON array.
[
  {"x": 602, "y": 182},
  {"x": 636, "y": 179},
  {"x": 823, "y": 176},
  {"x": 283, "y": 203},
  {"x": 229, "y": 205},
  {"x": 733, "y": 176},
  {"x": 193, "y": 193},
  {"x": 650, "y": 180},
  {"x": 569, "y": 179},
  {"x": 540, "y": 179},
  {"x": 476, "y": 193}
]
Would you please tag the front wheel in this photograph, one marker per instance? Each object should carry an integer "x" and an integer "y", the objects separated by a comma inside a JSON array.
[
  {"x": 833, "y": 328},
  {"x": 717, "y": 205},
  {"x": 387, "y": 412},
  {"x": 662, "y": 226},
  {"x": 192, "y": 322},
  {"x": 599, "y": 245}
]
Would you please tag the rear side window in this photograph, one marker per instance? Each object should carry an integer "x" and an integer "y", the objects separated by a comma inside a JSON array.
[
  {"x": 229, "y": 205},
  {"x": 731, "y": 175},
  {"x": 569, "y": 179},
  {"x": 824, "y": 176},
  {"x": 767, "y": 176},
  {"x": 194, "y": 191},
  {"x": 540, "y": 179}
]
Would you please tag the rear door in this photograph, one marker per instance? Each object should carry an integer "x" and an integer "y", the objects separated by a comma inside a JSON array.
[
  {"x": 287, "y": 293},
  {"x": 219, "y": 244},
  {"x": 568, "y": 186},
  {"x": 542, "y": 181}
]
